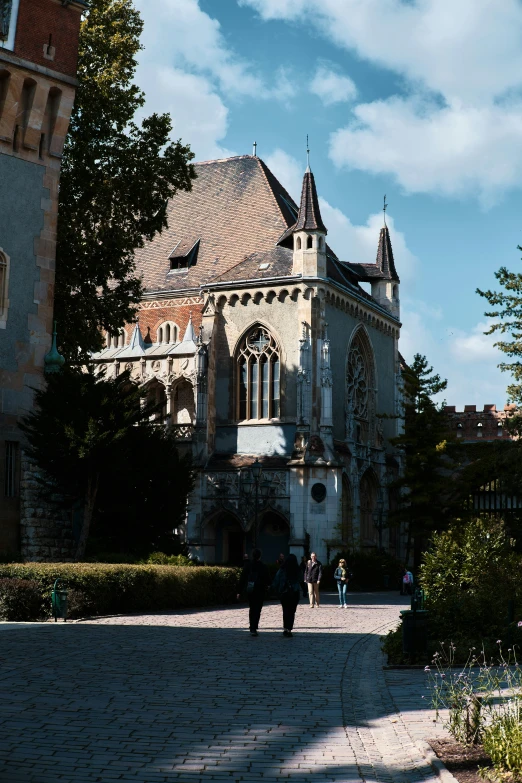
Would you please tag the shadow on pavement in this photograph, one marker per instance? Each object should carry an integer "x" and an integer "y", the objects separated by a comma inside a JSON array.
[{"x": 162, "y": 703}]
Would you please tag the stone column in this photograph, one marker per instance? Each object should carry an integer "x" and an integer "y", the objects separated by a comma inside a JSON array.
[{"x": 326, "y": 422}]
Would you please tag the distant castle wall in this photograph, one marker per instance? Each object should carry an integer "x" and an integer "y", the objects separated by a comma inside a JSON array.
[{"x": 482, "y": 425}]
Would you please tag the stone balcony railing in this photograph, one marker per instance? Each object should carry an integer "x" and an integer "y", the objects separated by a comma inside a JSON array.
[{"x": 183, "y": 432}]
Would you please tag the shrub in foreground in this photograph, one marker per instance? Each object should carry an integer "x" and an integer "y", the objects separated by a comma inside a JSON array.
[
  {"x": 101, "y": 589},
  {"x": 20, "y": 600}
]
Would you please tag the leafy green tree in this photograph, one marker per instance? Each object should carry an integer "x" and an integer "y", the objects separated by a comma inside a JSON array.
[
  {"x": 97, "y": 445},
  {"x": 422, "y": 489},
  {"x": 117, "y": 177}
]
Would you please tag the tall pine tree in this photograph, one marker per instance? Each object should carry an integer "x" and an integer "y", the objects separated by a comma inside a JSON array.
[{"x": 422, "y": 488}]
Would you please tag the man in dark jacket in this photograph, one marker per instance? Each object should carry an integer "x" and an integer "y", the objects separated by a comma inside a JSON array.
[
  {"x": 254, "y": 580},
  {"x": 313, "y": 574}
]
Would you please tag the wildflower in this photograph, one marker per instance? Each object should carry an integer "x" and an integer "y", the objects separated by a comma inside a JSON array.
[
  {"x": 499, "y": 641},
  {"x": 443, "y": 676},
  {"x": 519, "y": 623}
]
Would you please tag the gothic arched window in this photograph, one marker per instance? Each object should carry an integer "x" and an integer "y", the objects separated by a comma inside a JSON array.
[
  {"x": 258, "y": 376},
  {"x": 360, "y": 390}
]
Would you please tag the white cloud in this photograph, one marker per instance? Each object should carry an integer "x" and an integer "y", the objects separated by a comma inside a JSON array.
[
  {"x": 359, "y": 243},
  {"x": 332, "y": 87},
  {"x": 467, "y": 359},
  {"x": 457, "y": 131},
  {"x": 288, "y": 171},
  {"x": 454, "y": 151},
  {"x": 198, "y": 114},
  {"x": 475, "y": 346}
]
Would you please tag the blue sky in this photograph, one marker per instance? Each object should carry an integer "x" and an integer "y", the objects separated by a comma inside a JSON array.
[{"x": 418, "y": 99}]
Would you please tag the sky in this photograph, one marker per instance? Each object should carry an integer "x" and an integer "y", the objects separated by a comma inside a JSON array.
[{"x": 420, "y": 100}]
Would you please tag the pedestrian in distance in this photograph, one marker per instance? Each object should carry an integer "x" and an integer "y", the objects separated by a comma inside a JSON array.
[
  {"x": 407, "y": 582},
  {"x": 287, "y": 586},
  {"x": 302, "y": 566},
  {"x": 253, "y": 581},
  {"x": 341, "y": 576},
  {"x": 313, "y": 574}
]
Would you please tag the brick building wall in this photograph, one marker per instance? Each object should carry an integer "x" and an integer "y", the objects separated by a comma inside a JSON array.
[
  {"x": 483, "y": 425},
  {"x": 48, "y": 23},
  {"x": 36, "y": 100}
]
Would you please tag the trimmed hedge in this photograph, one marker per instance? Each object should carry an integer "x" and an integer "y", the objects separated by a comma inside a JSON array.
[
  {"x": 101, "y": 589},
  {"x": 20, "y": 600}
]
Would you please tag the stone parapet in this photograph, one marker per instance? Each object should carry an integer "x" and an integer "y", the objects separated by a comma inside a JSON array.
[{"x": 482, "y": 425}]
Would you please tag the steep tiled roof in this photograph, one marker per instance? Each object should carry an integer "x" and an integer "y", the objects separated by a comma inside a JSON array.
[
  {"x": 236, "y": 208},
  {"x": 276, "y": 262},
  {"x": 309, "y": 217}
]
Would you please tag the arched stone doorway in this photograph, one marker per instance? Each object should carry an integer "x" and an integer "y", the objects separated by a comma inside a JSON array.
[
  {"x": 274, "y": 536},
  {"x": 225, "y": 541}
]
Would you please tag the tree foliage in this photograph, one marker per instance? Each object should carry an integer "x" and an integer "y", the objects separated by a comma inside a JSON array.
[
  {"x": 117, "y": 176},
  {"x": 423, "y": 486},
  {"x": 507, "y": 306},
  {"x": 97, "y": 446}
]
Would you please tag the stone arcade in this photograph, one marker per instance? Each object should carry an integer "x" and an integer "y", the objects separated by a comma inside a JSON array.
[{"x": 261, "y": 343}]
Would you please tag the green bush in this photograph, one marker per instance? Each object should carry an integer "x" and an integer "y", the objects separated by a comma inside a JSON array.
[
  {"x": 470, "y": 574},
  {"x": 20, "y": 600},
  {"x": 101, "y": 589},
  {"x": 160, "y": 558},
  {"x": 502, "y": 739}
]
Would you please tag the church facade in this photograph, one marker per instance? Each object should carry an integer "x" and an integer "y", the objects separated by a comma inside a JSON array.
[{"x": 275, "y": 368}]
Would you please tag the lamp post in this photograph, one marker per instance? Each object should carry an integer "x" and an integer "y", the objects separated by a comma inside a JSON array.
[{"x": 251, "y": 482}]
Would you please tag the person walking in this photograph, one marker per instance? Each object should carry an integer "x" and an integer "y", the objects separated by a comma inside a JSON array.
[
  {"x": 313, "y": 574},
  {"x": 302, "y": 566},
  {"x": 287, "y": 585},
  {"x": 341, "y": 576},
  {"x": 407, "y": 582},
  {"x": 254, "y": 580}
]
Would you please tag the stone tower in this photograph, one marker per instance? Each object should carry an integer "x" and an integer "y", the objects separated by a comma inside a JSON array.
[
  {"x": 309, "y": 233},
  {"x": 38, "y": 57}
]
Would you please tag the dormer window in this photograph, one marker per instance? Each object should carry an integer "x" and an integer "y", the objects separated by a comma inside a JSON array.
[{"x": 184, "y": 255}]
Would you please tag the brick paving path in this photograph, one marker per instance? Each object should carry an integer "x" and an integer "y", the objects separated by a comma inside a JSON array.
[{"x": 190, "y": 696}]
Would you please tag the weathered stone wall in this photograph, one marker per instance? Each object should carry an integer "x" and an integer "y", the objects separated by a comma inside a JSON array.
[{"x": 45, "y": 530}]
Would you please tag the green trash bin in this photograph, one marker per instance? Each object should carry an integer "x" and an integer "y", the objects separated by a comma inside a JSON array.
[
  {"x": 414, "y": 631},
  {"x": 59, "y": 602}
]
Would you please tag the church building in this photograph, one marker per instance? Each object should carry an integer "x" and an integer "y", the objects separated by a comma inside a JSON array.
[{"x": 274, "y": 367}]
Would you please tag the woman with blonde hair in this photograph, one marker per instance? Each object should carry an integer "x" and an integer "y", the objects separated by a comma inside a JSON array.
[{"x": 341, "y": 577}]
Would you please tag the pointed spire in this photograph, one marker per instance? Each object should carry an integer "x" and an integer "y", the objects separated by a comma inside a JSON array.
[
  {"x": 385, "y": 260},
  {"x": 309, "y": 217},
  {"x": 190, "y": 334},
  {"x": 136, "y": 346},
  {"x": 53, "y": 361}
]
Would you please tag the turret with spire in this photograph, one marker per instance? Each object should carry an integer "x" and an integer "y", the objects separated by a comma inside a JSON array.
[
  {"x": 309, "y": 232},
  {"x": 382, "y": 275}
]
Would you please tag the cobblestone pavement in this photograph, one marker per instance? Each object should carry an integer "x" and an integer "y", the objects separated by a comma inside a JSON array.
[{"x": 190, "y": 696}]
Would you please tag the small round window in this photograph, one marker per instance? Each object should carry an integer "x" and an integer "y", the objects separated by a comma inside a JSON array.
[{"x": 318, "y": 492}]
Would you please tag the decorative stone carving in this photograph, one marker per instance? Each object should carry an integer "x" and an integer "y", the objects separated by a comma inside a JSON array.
[{"x": 5, "y": 18}]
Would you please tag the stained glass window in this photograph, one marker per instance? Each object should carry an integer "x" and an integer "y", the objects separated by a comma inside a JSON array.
[{"x": 258, "y": 376}]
